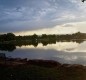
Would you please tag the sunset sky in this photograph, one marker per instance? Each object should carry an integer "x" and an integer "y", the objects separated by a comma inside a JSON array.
[{"x": 25, "y": 17}]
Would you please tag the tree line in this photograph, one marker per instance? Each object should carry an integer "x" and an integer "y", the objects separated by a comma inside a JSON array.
[
  {"x": 43, "y": 37},
  {"x": 9, "y": 41}
]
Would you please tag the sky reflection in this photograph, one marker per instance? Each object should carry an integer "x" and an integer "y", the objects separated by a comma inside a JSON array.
[
  {"x": 64, "y": 52},
  {"x": 59, "y": 46}
]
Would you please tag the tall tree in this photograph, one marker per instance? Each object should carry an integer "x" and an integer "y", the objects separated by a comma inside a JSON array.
[{"x": 83, "y": 0}]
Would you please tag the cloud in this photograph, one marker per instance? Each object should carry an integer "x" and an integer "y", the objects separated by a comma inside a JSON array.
[
  {"x": 26, "y": 15},
  {"x": 61, "y": 29}
]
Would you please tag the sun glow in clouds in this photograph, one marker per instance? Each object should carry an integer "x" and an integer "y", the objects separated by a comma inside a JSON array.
[
  {"x": 61, "y": 29},
  {"x": 68, "y": 28}
]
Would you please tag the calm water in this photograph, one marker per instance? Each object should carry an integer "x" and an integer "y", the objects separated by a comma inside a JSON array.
[{"x": 64, "y": 52}]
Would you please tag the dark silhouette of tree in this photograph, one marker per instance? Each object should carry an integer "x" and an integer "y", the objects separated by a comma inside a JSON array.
[
  {"x": 35, "y": 37},
  {"x": 10, "y": 36},
  {"x": 83, "y": 0},
  {"x": 7, "y": 47},
  {"x": 7, "y": 37}
]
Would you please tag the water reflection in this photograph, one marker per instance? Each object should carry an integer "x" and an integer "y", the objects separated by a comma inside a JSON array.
[
  {"x": 63, "y": 52},
  {"x": 59, "y": 46},
  {"x": 7, "y": 47},
  {"x": 11, "y": 45}
]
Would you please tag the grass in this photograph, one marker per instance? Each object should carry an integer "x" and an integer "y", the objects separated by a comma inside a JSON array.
[{"x": 33, "y": 70}]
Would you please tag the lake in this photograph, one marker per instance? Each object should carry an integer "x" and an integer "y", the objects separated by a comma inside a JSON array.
[{"x": 63, "y": 52}]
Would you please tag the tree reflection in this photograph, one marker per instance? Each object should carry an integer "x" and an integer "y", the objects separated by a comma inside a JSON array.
[
  {"x": 9, "y": 41},
  {"x": 7, "y": 47},
  {"x": 11, "y": 46}
]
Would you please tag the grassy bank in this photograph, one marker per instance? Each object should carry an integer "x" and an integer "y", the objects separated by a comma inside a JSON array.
[{"x": 42, "y": 70}]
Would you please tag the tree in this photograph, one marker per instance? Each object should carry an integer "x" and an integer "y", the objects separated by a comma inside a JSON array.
[
  {"x": 83, "y": 0},
  {"x": 10, "y": 36},
  {"x": 34, "y": 36}
]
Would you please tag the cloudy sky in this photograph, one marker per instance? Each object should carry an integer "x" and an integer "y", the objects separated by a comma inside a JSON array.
[{"x": 25, "y": 17}]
